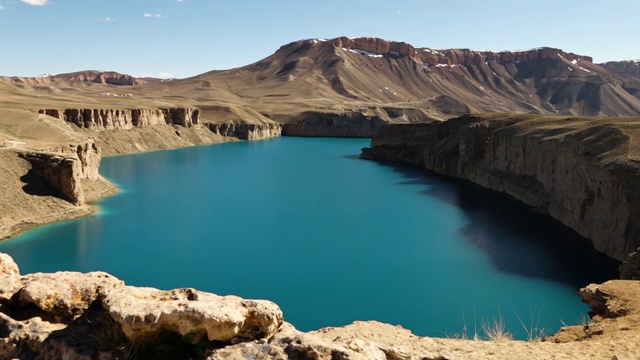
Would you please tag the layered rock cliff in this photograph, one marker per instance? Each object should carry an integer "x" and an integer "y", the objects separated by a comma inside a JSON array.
[
  {"x": 626, "y": 68},
  {"x": 464, "y": 57},
  {"x": 583, "y": 172},
  {"x": 125, "y": 119},
  {"x": 348, "y": 124},
  {"x": 49, "y": 183},
  {"x": 88, "y": 76},
  {"x": 63, "y": 168},
  {"x": 246, "y": 131}
]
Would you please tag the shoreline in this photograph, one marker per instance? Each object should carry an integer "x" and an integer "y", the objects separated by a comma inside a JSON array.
[{"x": 360, "y": 143}]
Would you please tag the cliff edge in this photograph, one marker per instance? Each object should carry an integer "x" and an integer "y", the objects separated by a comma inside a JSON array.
[
  {"x": 53, "y": 183},
  {"x": 583, "y": 172}
]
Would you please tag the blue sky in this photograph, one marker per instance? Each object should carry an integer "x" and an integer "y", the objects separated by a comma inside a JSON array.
[{"x": 181, "y": 38}]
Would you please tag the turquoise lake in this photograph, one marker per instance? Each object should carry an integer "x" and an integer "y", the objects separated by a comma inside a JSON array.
[{"x": 329, "y": 237}]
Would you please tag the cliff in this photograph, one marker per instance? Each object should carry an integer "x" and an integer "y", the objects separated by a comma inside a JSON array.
[
  {"x": 246, "y": 131},
  {"x": 96, "y": 316},
  {"x": 464, "y": 57},
  {"x": 88, "y": 76},
  {"x": 581, "y": 171},
  {"x": 347, "y": 124},
  {"x": 125, "y": 119},
  {"x": 629, "y": 68},
  {"x": 48, "y": 184}
]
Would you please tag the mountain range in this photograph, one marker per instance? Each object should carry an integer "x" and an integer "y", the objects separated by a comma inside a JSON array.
[{"x": 350, "y": 86}]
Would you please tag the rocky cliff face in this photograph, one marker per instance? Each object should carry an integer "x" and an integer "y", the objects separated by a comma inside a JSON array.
[
  {"x": 377, "y": 46},
  {"x": 450, "y": 56},
  {"x": 64, "y": 167},
  {"x": 629, "y": 68},
  {"x": 582, "y": 172},
  {"x": 89, "y": 76},
  {"x": 125, "y": 119},
  {"x": 246, "y": 131},
  {"x": 348, "y": 124},
  {"x": 442, "y": 83},
  {"x": 61, "y": 172}
]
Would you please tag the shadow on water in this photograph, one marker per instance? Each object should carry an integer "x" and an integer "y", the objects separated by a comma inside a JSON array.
[{"x": 516, "y": 239}]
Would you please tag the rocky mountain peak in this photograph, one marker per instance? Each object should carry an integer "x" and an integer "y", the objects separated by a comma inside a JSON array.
[
  {"x": 474, "y": 57},
  {"x": 377, "y": 46},
  {"x": 625, "y": 68},
  {"x": 89, "y": 76},
  {"x": 373, "y": 46}
]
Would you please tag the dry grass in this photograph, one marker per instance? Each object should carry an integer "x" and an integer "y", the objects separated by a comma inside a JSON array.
[{"x": 496, "y": 330}]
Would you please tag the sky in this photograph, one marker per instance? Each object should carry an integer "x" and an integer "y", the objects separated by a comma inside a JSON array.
[{"x": 182, "y": 38}]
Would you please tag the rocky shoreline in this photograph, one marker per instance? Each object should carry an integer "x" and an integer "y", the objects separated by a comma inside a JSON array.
[
  {"x": 524, "y": 156},
  {"x": 69, "y": 315},
  {"x": 580, "y": 171}
]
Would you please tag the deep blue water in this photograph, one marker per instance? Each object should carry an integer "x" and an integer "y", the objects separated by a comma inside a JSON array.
[{"x": 329, "y": 237}]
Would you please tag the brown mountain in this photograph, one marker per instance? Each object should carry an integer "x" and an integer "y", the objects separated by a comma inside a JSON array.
[
  {"x": 87, "y": 76},
  {"x": 352, "y": 86},
  {"x": 442, "y": 83}
]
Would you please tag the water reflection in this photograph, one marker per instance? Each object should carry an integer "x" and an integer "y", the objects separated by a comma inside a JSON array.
[{"x": 516, "y": 239}]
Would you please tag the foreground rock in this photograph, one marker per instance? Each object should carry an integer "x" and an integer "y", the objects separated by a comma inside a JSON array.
[
  {"x": 95, "y": 316},
  {"x": 73, "y": 315}
]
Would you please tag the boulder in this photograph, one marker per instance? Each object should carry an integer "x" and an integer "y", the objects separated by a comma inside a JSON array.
[
  {"x": 65, "y": 296},
  {"x": 9, "y": 277},
  {"x": 143, "y": 312}
]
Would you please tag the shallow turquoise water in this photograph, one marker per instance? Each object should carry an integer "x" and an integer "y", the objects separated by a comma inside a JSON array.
[{"x": 329, "y": 237}]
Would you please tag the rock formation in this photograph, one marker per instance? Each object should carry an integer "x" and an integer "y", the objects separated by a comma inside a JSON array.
[
  {"x": 89, "y": 76},
  {"x": 246, "y": 131},
  {"x": 61, "y": 172},
  {"x": 582, "y": 172},
  {"x": 450, "y": 56},
  {"x": 125, "y": 119},
  {"x": 81, "y": 316},
  {"x": 68, "y": 315},
  {"x": 349, "y": 124},
  {"x": 63, "y": 168},
  {"x": 626, "y": 68}
]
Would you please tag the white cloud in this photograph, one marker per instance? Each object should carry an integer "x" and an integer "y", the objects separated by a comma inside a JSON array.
[
  {"x": 109, "y": 19},
  {"x": 147, "y": 15},
  {"x": 1, "y": 7},
  {"x": 36, "y": 2},
  {"x": 165, "y": 75}
]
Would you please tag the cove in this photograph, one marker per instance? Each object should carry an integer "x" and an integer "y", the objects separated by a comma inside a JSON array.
[{"x": 327, "y": 236}]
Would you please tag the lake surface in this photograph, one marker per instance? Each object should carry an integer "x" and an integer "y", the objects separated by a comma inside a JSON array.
[{"x": 327, "y": 236}]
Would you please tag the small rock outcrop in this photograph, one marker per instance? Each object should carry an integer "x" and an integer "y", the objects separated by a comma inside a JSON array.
[
  {"x": 582, "y": 172},
  {"x": 62, "y": 172},
  {"x": 63, "y": 167},
  {"x": 9, "y": 276},
  {"x": 85, "y": 316},
  {"x": 630, "y": 268}
]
